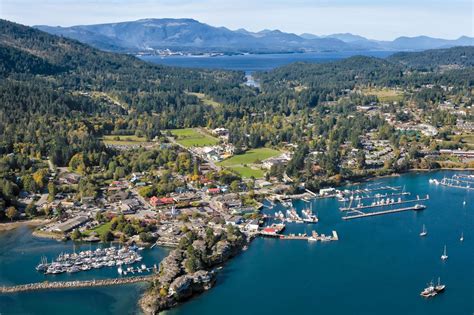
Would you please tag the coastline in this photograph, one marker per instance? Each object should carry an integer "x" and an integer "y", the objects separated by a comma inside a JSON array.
[{"x": 8, "y": 226}]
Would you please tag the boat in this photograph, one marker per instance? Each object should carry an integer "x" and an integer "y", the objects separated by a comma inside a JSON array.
[
  {"x": 439, "y": 287},
  {"x": 445, "y": 255},
  {"x": 419, "y": 207},
  {"x": 423, "y": 232},
  {"x": 43, "y": 265},
  {"x": 429, "y": 291},
  {"x": 462, "y": 237}
]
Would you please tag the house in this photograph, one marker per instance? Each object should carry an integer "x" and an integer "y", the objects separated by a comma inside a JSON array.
[
  {"x": 235, "y": 220},
  {"x": 327, "y": 191},
  {"x": 214, "y": 191},
  {"x": 221, "y": 132},
  {"x": 70, "y": 178},
  {"x": 253, "y": 225},
  {"x": 274, "y": 161},
  {"x": 156, "y": 202},
  {"x": 116, "y": 196}
]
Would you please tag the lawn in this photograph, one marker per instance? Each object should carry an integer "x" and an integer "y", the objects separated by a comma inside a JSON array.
[
  {"x": 250, "y": 157},
  {"x": 193, "y": 137},
  {"x": 123, "y": 140},
  {"x": 464, "y": 138},
  {"x": 240, "y": 163},
  {"x": 385, "y": 95},
  {"x": 101, "y": 229},
  {"x": 247, "y": 172}
]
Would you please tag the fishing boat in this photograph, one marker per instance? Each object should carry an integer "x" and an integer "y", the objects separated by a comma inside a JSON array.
[
  {"x": 462, "y": 237},
  {"x": 445, "y": 255},
  {"x": 439, "y": 287},
  {"x": 423, "y": 232}
]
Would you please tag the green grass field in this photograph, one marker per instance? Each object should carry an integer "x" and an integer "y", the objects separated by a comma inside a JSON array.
[
  {"x": 240, "y": 163},
  {"x": 247, "y": 172},
  {"x": 123, "y": 140},
  {"x": 250, "y": 157},
  {"x": 464, "y": 138},
  {"x": 193, "y": 137},
  {"x": 206, "y": 100},
  {"x": 101, "y": 229},
  {"x": 385, "y": 95}
]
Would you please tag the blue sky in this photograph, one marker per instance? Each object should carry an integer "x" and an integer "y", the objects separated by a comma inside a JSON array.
[{"x": 377, "y": 19}]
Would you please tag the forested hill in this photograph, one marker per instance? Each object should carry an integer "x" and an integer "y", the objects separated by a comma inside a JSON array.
[
  {"x": 58, "y": 96},
  {"x": 86, "y": 68},
  {"x": 456, "y": 57},
  {"x": 402, "y": 69}
]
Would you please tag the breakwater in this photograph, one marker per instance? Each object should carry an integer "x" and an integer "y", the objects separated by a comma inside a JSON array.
[{"x": 73, "y": 284}]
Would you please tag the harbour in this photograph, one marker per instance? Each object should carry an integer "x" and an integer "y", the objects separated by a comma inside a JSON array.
[{"x": 366, "y": 247}]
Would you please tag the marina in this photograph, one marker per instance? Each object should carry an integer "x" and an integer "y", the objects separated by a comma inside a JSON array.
[
  {"x": 383, "y": 202},
  {"x": 91, "y": 259},
  {"x": 461, "y": 181}
]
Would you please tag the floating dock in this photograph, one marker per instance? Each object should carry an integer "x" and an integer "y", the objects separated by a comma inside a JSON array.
[
  {"x": 361, "y": 214},
  {"x": 384, "y": 204},
  {"x": 315, "y": 237}
]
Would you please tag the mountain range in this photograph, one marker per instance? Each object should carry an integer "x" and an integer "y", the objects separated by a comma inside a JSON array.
[{"x": 191, "y": 36}]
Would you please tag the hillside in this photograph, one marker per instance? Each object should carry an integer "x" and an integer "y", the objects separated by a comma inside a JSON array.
[
  {"x": 457, "y": 57},
  {"x": 59, "y": 95},
  {"x": 191, "y": 36}
]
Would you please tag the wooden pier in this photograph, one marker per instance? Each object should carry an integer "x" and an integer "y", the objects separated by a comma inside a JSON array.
[
  {"x": 384, "y": 204},
  {"x": 74, "y": 284},
  {"x": 361, "y": 214}
]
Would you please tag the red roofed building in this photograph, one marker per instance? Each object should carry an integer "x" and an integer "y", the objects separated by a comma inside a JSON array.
[
  {"x": 154, "y": 201},
  {"x": 213, "y": 191},
  {"x": 270, "y": 230}
]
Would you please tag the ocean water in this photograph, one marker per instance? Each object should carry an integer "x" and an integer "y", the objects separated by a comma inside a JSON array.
[
  {"x": 20, "y": 252},
  {"x": 379, "y": 266},
  {"x": 252, "y": 63}
]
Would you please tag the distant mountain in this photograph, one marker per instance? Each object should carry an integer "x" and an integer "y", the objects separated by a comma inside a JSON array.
[
  {"x": 188, "y": 35},
  {"x": 425, "y": 42}
]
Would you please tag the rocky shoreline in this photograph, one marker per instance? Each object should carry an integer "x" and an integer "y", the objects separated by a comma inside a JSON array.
[{"x": 178, "y": 282}]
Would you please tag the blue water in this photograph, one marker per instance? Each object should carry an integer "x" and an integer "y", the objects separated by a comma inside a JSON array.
[
  {"x": 252, "y": 63},
  {"x": 379, "y": 266},
  {"x": 21, "y": 252}
]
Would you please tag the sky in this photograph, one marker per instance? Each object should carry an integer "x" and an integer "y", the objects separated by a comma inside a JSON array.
[{"x": 375, "y": 19}]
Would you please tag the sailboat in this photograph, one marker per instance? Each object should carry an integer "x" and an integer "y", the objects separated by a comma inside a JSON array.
[
  {"x": 462, "y": 237},
  {"x": 439, "y": 287},
  {"x": 445, "y": 255},
  {"x": 423, "y": 232}
]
